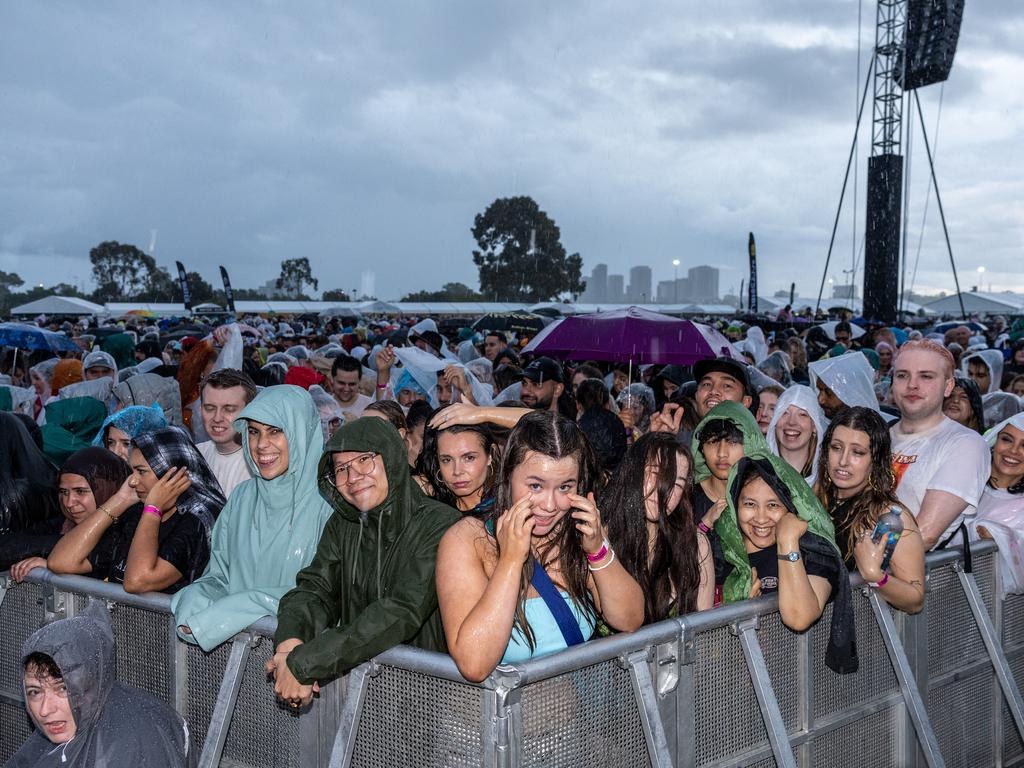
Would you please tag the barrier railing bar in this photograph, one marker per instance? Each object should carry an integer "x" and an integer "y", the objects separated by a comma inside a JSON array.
[
  {"x": 647, "y": 708},
  {"x": 995, "y": 653},
  {"x": 227, "y": 697},
  {"x": 908, "y": 685},
  {"x": 314, "y": 750},
  {"x": 770, "y": 712},
  {"x": 963, "y": 672},
  {"x": 502, "y": 731},
  {"x": 351, "y": 711},
  {"x": 686, "y": 716},
  {"x": 998, "y": 606},
  {"x": 179, "y": 670},
  {"x": 805, "y": 698}
]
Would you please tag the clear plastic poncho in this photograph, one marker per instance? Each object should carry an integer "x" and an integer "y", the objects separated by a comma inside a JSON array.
[
  {"x": 850, "y": 377},
  {"x": 806, "y": 399}
]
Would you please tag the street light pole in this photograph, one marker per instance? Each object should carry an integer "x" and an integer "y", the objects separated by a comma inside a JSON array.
[{"x": 675, "y": 281}]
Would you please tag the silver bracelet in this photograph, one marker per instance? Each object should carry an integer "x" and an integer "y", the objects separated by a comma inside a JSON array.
[{"x": 602, "y": 567}]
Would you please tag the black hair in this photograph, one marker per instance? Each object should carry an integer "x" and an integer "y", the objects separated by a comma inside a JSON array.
[
  {"x": 391, "y": 411},
  {"x": 592, "y": 393},
  {"x": 345, "y": 363},
  {"x": 669, "y": 572},
  {"x": 42, "y": 665},
  {"x": 419, "y": 412},
  {"x": 498, "y": 334},
  {"x": 716, "y": 430},
  {"x": 505, "y": 375}
]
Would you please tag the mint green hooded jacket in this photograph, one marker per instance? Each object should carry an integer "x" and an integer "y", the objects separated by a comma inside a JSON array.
[
  {"x": 266, "y": 532},
  {"x": 371, "y": 584}
]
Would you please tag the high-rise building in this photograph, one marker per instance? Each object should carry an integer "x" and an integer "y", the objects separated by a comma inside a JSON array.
[
  {"x": 597, "y": 286},
  {"x": 674, "y": 291},
  {"x": 639, "y": 291},
  {"x": 616, "y": 289},
  {"x": 703, "y": 282}
]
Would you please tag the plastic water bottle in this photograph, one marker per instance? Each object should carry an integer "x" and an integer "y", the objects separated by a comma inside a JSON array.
[{"x": 889, "y": 527}]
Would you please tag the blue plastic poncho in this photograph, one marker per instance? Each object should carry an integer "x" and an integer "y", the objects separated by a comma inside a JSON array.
[
  {"x": 266, "y": 532},
  {"x": 133, "y": 421}
]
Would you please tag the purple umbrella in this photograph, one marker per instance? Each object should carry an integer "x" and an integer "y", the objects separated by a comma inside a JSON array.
[{"x": 630, "y": 335}]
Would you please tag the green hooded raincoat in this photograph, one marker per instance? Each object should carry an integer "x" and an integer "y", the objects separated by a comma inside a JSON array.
[
  {"x": 266, "y": 532},
  {"x": 739, "y": 581},
  {"x": 371, "y": 584}
]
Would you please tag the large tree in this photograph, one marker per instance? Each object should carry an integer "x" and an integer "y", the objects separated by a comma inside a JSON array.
[
  {"x": 296, "y": 273},
  {"x": 521, "y": 256},
  {"x": 121, "y": 271},
  {"x": 335, "y": 294},
  {"x": 448, "y": 292}
]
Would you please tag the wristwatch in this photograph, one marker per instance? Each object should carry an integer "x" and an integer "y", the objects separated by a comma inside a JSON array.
[{"x": 790, "y": 556}]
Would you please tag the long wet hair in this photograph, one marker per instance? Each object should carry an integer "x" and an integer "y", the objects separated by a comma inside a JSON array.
[
  {"x": 880, "y": 494},
  {"x": 556, "y": 437},
  {"x": 428, "y": 465},
  {"x": 668, "y": 574}
]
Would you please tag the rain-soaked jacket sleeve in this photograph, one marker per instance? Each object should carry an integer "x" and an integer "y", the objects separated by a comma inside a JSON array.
[{"x": 384, "y": 623}]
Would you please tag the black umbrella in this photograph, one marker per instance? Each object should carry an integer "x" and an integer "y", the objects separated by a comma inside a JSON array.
[{"x": 520, "y": 322}]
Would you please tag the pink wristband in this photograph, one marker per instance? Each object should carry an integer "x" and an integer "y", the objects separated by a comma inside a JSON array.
[
  {"x": 703, "y": 528},
  {"x": 881, "y": 582},
  {"x": 152, "y": 510},
  {"x": 600, "y": 553}
]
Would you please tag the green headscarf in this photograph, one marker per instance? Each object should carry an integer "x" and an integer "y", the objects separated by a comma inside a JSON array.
[{"x": 739, "y": 581}]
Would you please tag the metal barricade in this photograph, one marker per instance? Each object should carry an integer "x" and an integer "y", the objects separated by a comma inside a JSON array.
[{"x": 728, "y": 687}]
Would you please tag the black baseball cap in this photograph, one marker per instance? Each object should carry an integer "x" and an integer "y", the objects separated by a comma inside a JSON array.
[
  {"x": 725, "y": 365},
  {"x": 543, "y": 369}
]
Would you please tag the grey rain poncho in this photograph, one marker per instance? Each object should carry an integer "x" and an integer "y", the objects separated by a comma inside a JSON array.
[
  {"x": 117, "y": 725},
  {"x": 150, "y": 389}
]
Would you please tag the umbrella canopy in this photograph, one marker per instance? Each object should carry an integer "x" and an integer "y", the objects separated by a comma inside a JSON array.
[
  {"x": 830, "y": 329},
  {"x": 342, "y": 313},
  {"x": 520, "y": 322},
  {"x": 141, "y": 313},
  {"x": 974, "y": 325},
  {"x": 25, "y": 336},
  {"x": 631, "y": 334}
]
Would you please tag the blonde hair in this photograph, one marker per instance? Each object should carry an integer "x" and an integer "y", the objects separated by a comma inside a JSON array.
[{"x": 928, "y": 345}]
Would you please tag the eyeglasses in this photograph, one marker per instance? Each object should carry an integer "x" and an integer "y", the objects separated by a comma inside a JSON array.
[{"x": 362, "y": 465}]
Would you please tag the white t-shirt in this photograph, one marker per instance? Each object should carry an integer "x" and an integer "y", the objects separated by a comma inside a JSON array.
[
  {"x": 355, "y": 409},
  {"x": 229, "y": 468},
  {"x": 949, "y": 457}
]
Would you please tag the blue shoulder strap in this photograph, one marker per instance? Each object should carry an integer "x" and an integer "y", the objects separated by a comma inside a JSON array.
[{"x": 556, "y": 604}]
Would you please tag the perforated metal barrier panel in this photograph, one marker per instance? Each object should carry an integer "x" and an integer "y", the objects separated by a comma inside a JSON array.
[{"x": 589, "y": 706}]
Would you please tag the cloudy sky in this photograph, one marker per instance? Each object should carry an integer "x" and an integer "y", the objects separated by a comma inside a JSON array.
[{"x": 366, "y": 136}]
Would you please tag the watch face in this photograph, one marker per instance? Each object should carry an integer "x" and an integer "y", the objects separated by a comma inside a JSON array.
[{"x": 791, "y": 556}]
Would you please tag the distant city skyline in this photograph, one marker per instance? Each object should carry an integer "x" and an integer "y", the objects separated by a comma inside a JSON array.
[{"x": 699, "y": 284}]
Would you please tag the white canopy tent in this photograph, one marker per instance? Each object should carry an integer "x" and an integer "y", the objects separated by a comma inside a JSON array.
[{"x": 58, "y": 305}]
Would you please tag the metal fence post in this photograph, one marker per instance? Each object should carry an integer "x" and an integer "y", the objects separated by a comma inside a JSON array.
[
  {"x": 227, "y": 697},
  {"x": 318, "y": 727},
  {"x": 647, "y": 706},
  {"x": 995, "y": 652},
  {"x": 908, "y": 686},
  {"x": 769, "y": 704},
  {"x": 351, "y": 711},
  {"x": 686, "y": 700}
]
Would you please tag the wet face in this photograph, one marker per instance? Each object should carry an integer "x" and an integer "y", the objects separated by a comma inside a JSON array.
[
  {"x": 143, "y": 478},
  {"x": 268, "y": 447},
  {"x": 958, "y": 407},
  {"x": 849, "y": 461},
  {"x": 540, "y": 396},
  {"x": 118, "y": 441},
  {"x": 759, "y": 511},
  {"x": 47, "y": 701},
  {"x": 464, "y": 464},
  {"x": 98, "y": 372},
  {"x": 827, "y": 399},
  {"x": 651, "y": 488},
  {"x": 720, "y": 455},
  {"x": 492, "y": 346},
  {"x": 794, "y": 429},
  {"x": 548, "y": 483},
  {"x": 920, "y": 383},
  {"x": 766, "y": 409},
  {"x": 445, "y": 391},
  {"x": 979, "y": 372},
  {"x": 345, "y": 385},
  {"x": 76, "y": 499},
  {"x": 220, "y": 408},
  {"x": 360, "y": 478},
  {"x": 1008, "y": 457},
  {"x": 717, "y": 387},
  {"x": 407, "y": 397}
]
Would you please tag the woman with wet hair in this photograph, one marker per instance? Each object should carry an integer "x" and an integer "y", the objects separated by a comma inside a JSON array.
[
  {"x": 533, "y": 577},
  {"x": 650, "y": 526},
  {"x": 964, "y": 404},
  {"x": 460, "y": 465},
  {"x": 857, "y": 486}
]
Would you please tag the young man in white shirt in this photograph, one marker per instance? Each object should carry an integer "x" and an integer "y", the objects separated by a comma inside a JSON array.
[
  {"x": 941, "y": 467},
  {"x": 345, "y": 374},
  {"x": 223, "y": 396}
]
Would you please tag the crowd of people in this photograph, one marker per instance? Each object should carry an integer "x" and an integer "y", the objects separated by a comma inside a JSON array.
[{"x": 382, "y": 484}]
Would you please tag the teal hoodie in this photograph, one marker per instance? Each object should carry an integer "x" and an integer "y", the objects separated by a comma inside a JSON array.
[
  {"x": 266, "y": 532},
  {"x": 371, "y": 584}
]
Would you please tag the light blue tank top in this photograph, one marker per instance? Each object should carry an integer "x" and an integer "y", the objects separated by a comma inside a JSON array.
[{"x": 546, "y": 634}]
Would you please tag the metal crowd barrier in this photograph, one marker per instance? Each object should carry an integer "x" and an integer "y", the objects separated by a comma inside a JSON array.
[{"x": 728, "y": 687}]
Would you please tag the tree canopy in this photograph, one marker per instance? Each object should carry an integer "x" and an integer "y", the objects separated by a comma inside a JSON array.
[
  {"x": 296, "y": 273},
  {"x": 521, "y": 256},
  {"x": 448, "y": 292}
]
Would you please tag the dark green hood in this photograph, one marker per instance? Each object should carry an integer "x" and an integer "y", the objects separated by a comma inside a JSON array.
[
  {"x": 70, "y": 426},
  {"x": 744, "y": 421}
]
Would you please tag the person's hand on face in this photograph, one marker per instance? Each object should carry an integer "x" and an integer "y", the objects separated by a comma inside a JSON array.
[
  {"x": 668, "y": 419},
  {"x": 788, "y": 531},
  {"x": 588, "y": 522},
  {"x": 514, "y": 531},
  {"x": 165, "y": 493},
  {"x": 126, "y": 495}
]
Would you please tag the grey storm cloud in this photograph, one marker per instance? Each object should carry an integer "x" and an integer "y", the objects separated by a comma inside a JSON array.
[{"x": 367, "y": 136}]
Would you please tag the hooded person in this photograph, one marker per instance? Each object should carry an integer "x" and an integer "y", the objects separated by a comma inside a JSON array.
[
  {"x": 120, "y": 347},
  {"x": 817, "y": 548},
  {"x": 151, "y": 389},
  {"x": 965, "y": 404},
  {"x": 270, "y": 526},
  {"x": 130, "y": 422},
  {"x": 802, "y": 399},
  {"x": 667, "y": 381},
  {"x": 371, "y": 583},
  {"x": 71, "y": 424},
  {"x": 41, "y": 375},
  {"x": 98, "y": 364},
  {"x": 94, "y": 720},
  {"x": 1000, "y": 406},
  {"x": 844, "y": 381},
  {"x": 986, "y": 368},
  {"x": 777, "y": 366}
]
